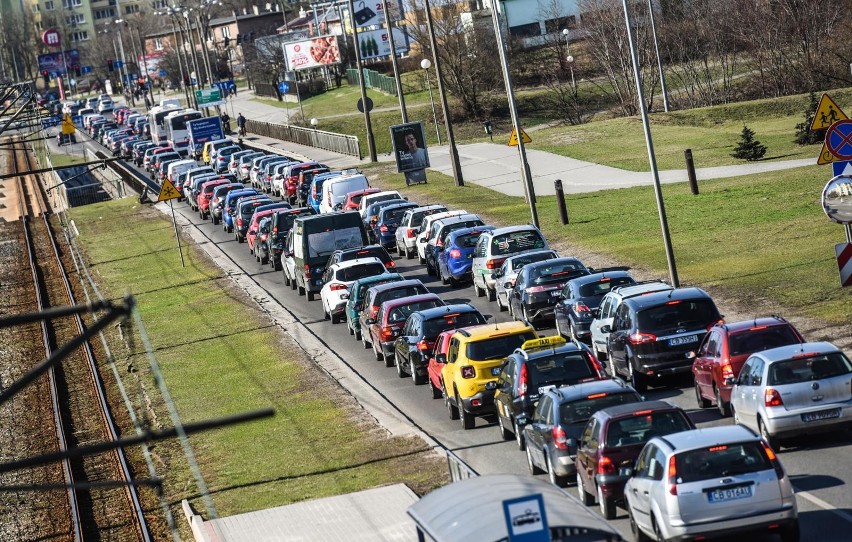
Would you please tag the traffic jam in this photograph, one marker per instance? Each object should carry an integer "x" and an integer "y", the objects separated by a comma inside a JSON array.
[{"x": 571, "y": 366}]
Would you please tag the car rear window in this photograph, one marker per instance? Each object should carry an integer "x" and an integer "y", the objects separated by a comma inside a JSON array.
[
  {"x": 602, "y": 287},
  {"x": 249, "y": 208},
  {"x": 399, "y": 314},
  {"x": 434, "y": 327},
  {"x": 396, "y": 293},
  {"x": 375, "y": 252},
  {"x": 687, "y": 313},
  {"x": 468, "y": 240},
  {"x": 509, "y": 243},
  {"x": 580, "y": 410},
  {"x": 520, "y": 261},
  {"x": 809, "y": 368},
  {"x": 393, "y": 215},
  {"x": 639, "y": 428},
  {"x": 563, "y": 369},
  {"x": 496, "y": 347},
  {"x": 557, "y": 272},
  {"x": 355, "y": 272},
  {"x": 418, "y": 217},
  {"x": 449, "y": 228},
  {"x": 757, "y": 340},
  {"x": 721, "y": 460}
]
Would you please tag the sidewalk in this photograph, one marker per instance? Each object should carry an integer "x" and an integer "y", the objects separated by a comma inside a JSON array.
[{"x": 498, "y": 167}]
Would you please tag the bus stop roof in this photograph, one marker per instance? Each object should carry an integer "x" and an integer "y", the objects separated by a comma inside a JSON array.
[{"x": 472, "y": 509}]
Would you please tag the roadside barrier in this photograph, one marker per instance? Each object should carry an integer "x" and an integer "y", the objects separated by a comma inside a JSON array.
[{"x": 330, "y": 141}]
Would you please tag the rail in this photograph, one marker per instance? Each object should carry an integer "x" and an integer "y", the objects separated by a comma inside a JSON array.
[{"x": 330, "y": 141}]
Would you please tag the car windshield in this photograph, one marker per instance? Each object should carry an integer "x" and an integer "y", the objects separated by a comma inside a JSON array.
[
  {"x": 601, "y": 287},
  {"x": 497, "y": 347},
  {"x": 557, "y": 272},
  {"x": 688, "y": 313},
  {"x": 418, "y": 217},
  {"x": 562, "y": 369},
  {"x": 355, "y": 272},
  {"x": 520, "y": 261},
  {"x": 393, "y": 215},
  {"x": 580, "y": 410},
  {"x": 518, "y": 241},
  {"x": 434, "y": 327},
  {"x": 399, "y": 314},
  {"x": 757, "y": 340},
  {"x": 396, "y": 293},
  {"x": 721, "y": 460},
  {"x": 813, "y": 367},
  {"x": 639, "y": 428}
]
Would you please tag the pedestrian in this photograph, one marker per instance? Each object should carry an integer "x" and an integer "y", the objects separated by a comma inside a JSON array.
[
  {"x": 226, "y": 122},
  {"x": 241, "y": 124},
  {"x": 147, "y": 103}
]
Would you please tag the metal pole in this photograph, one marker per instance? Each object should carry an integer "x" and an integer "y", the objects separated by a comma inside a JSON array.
[
  {"x": 205, "y": 53},
  {"x": 690, "y": 172},
  {"x": 396, "y": 74},
  {"x": 658, "y": 191},
  {"x": 560, "y": 201},
  {"x": 182, "y": 80},
  {"x": 371, "y": 141},
  {"x": 432, "y": 101},
  {"x": 174, "y": 221},
  {"x": 126, "y": 81},
  {"x": 659, "y": 60},
  {"x": 145, "y": 77},
  {"x": 451, "y": 139},
  {"x": 529, "y": 190}
]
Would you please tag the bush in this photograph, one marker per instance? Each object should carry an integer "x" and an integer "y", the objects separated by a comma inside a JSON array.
[
  {"x": 749, "y": 148},
  {"x": 804, "y": 134}
]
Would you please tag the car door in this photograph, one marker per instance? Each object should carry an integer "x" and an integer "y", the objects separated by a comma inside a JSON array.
[
  {"x": 587, "y": 452},
  {"x": 504, "y": 395},
  {"x": 741, "y": 395},
  {"x": 516, "y": 293},
  {"x": 405, "y": 343},
  {"x": 538, "y": 430},
  {"x": 639, "y": 487},
  {"x": 480, "y": 252},
  {"x": 706, "y": 358},
  {"x": 617, "y": 342},
  {"x": 562, "y": 310},
  {"x": 604, "y": 318}
]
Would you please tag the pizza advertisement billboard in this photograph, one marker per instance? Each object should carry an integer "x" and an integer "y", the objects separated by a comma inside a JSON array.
[{"x": 312, "y": 53}]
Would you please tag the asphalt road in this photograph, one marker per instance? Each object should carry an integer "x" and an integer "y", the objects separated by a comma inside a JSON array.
[{"x": 821, "y": 467}]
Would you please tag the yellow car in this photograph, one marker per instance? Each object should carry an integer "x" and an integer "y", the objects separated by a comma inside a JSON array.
[{"x": 472, "y": 364}]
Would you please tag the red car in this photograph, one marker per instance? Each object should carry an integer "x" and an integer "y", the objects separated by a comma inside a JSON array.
[
  {"x": 353, "y": 199},
  {"x": 724, "y": 351},
  {"x": 291, "y": 183},
  {"x": 251, "y": 233},
  {"x": 390, "y": 320}
]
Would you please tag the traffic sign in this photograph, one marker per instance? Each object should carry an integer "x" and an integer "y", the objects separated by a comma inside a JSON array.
[
  {"x": 77, "y": 119},
  {"x": 513, "y": 139},
  {"x": 118, "y": 64},
  {"x": 842, "y": 168},
  {"x": 825, "y": 157},
  {"x": 85, "y": 69},
  {"x": 168, "y": 191},
  {"x": 50, "y": 122},
  {"x": 836, "y": 201},
  {"x": 283, "y": 87},
  {"x": 360, "y": 104},
  {"x": 838, "y": 139},
  {"x": 843, "y": 251},
  {"x": 827, "y": 113},
  {"x": 526, "y": 519}
]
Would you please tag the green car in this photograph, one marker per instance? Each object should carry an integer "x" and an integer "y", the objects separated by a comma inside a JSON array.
[{"x": 357, "y": 293}]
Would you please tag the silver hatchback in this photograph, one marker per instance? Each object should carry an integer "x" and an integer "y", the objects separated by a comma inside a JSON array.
[
  {"x": 709, "y": 482},
  {"x": 794, "y": 390}
]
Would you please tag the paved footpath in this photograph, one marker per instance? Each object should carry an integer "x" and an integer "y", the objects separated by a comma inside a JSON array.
[{"x": 498, "y": 166}]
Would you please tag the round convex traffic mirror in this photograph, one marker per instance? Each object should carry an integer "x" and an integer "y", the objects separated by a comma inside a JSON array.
[{"x": 837, "y": 199}]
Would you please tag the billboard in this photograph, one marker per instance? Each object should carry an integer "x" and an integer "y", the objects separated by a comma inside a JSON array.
[
  {"x": 152, "y": 62},
  {"x": 53, "y": 63},
  {"x": 376, "y": 43},
  {"x": 312, "y": 53},
  {"x": 409, "y": 149}
]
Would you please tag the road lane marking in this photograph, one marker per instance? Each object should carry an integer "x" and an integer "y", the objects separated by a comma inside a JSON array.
[{"x": 822, "y": 504}]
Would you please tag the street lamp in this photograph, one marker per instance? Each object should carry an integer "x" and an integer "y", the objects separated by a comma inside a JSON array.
[
  {"x": 426, "y": 64},
  {"x": 569, "y": 59}
]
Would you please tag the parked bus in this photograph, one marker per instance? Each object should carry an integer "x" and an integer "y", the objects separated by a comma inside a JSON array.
[
  {"x": 156, "y": 116},
  {"x": 177, "y": 133}
]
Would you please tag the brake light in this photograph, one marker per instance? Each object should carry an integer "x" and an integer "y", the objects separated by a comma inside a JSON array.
[
  {"x": 374, "y": 310},
  {"x": 727, "y": 371},
  {"x": 805, "y": 355},
  {"x": 307, "y": 271},
  {"x": 240, "y": 222},
  {"x": 642, "y": 338},
  {"x": 675, "y": 302},
  {"x": 596, "y": 364},
  {"x": 391, "y": 264},
  {"x": 757, "y": 328},
  {"x": 439, "y": 243},
  {"x": 596, "y": 396},
  {"x": 642, "y": 412},
  {"x": 383, "y": 228},
  {"x": 388, "y": 333},
  {"x": 560, "y": 439},
  {"x": 468, "y": 372},
  {"x": 411, "y": 234},
  {"x": 539, "y": 289},
  {"x": 329, "y": 199},
  {"x": 423, "y": 345},
  {"x": 672, "y": 476},
  {"x": 455, "y": 253},
  {"x": 771, "y": 397},
  {"x": 495, "y": 263},
  {"x": 606, "y": 465},
  {"x": 770, "y": 453},
  {"x": 337, "y": 286},
  {"x": 522, "y": 381},
  {"x": 581, "y": 307}
]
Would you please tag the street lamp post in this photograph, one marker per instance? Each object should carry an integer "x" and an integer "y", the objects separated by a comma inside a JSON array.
[
  {"x": 569, "y": 58},
  {"x": 125, "y": 82},
  {"x": 659, "y": 60},
  {"x": 426, "y": 64}
]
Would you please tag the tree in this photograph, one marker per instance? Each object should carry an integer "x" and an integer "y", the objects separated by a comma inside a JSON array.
[
  {"x": 749, "y": 148},
  {"x": 804, "y": 134}
]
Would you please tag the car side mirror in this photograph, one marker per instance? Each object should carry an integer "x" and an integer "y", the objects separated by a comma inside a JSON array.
[
  {"x": 441, "y": 358},
  {"x": 626, "y": 472},
  {"x": 344, "y": 296},
  {"x": 252, "y": 232},
  {"x": 369, "y": 321},
  {"x": 730, "y": 381},
  {"x": 522, "y": 420},
  {"x": 691, "y": 355},
  {"x": 287, "y": 254},
  {"x": 508, "y": 284},
  {"x": 606, "y": 329}
]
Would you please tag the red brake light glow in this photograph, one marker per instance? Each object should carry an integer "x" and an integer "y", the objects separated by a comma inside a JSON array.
[
  {"x": 606, "y": 465},
  {"x": 672, "y": 476},
  {"x": 717, "y": 449},
  {"x": 805, "y": 355},
  {"x": 596, "y": 396},
  {"x": 423, "y": 345},
  {"x": 771, "y": 398},
  {"x": 522, "y": 381},
  {"x": 642, "y": 412},
  {"x": 337, "y": 287},
  {"x": 675, "y": 302},
  {"x": 455, "y": 253},
  {"x": 581, "y": 307},
  {"x": 642, "y": 338}
]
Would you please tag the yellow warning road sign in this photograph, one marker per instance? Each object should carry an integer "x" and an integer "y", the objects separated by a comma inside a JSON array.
[
  {"x": 68, "y": 127},
  {"x": 168, "y": 191},
  {"x": 513, "y": 139},
  {"x": 825, "y": 156},
  {"x": 827, "y": 113}
]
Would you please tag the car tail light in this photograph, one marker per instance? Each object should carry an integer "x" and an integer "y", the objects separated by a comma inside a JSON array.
[
  {"x": 641, "y": 338},
  {"x": 424, "y": 346},
  {"x": 560, "y": 439},
  {"x": 411, "y": 234},
  {"x": 770, "y": 453},
  {"x": 391, "y": 264},
  {"x": 540, "y": 289},
  {"x": 771, "y": 397},
  {"x": 727, "y": 371},
  {"x": 439, "y": 243},
  {"x": 240, "y": 222},
  {"x": 455, "y": 253},
  {"x": 307, "y": 271},
  {"x": 596, "y": 364},
  {"x": 522, "y": 381},
  {"x": 468, "y": 372},
  {"x": 606, "y": 465},
  {"x": 374, "y": 310},
  {"x": 581, "y": 307},
  {"x": 672, "y": 476},
  {"x": 383, "y": 228},
  {"x": 388, "y": 333},
  {"x": 494, "y": 263},
  {"x": 336, "y": 287}
]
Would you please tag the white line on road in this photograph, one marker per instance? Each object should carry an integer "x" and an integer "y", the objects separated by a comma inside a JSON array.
[{"x": 822, "y": 504}]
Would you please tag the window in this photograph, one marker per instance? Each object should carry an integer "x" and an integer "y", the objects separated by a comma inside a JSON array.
[
  {"x": 644, "y": 462},
  {"x": 77, "y": 18},
  {"x": 104, "y": 14},
  {"x": 69, "y": 4},
  {"x": 159, "y": 4},
  {"x": 158, "y": 44},
  {"x": 516, "y": 242},
  {"x": 555, "y": 26},
  {"x": 80, "y": 36},
  {"x": 49, "y": 5},
  {"x": 525, "y": 30},
  {"x": 226, "y": 32},
  {"x": 131, "y": 9}
]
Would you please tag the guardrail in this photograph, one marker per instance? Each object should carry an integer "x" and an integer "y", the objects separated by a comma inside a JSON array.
[
  {"x": 373, "y": 79},
  {"x": 459, "y": 470},
  {"x": 330, "y": 141}
]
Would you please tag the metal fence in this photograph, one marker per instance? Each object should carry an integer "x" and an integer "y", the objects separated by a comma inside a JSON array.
[
  {"x": 373, "y": 79},
  {"x": 330, "y": 141},
  {"x": 72, "y": 187},
  {"x": 459, "y": 470}
]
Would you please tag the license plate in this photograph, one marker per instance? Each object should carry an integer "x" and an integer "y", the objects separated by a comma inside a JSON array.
[
  {"x": 729, "y": 494},
  {"x": 495, "y": 371},
  {"x": 821, "y": 415},
  {"x": 555, "y": 293},
  {"x": 683, "y": 340}
]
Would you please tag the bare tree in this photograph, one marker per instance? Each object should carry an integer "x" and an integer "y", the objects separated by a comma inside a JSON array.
[{"x": 18, "y": 43}]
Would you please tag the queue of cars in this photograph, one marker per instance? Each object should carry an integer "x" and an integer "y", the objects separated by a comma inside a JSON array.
[{"x": 561, "y": 398}]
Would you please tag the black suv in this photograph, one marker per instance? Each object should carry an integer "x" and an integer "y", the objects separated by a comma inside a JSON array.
[
  {"x": 651, "y": 335},
  {"x": 580, "y": 300},
  {"x": 280, "y": 224},
  {"x": 538, "y": 288},
  {"x": 413, "y": 348},
  {"x": 549, "y": 361}
]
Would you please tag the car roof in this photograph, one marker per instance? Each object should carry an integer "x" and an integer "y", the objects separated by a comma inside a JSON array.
[
  {"x": 595, "y": 277},
  {"x": 357, "y": 261},
  {"x": 438, "y": 216},
  {"x": 707, "y": 436},
  {"x": 440, "y": 312},
  {"x": 404, "y": 205},
  {"x": 429, "y": 296},
  {"x": 530, "y": 253},
  {"x": 484, "y": 331},
  {"x": 782, "y": 353},
  {"x": 577, "y": 391},
  {"x": 376, "y": 278},
  {"x": 640, "y": 288},
  {"x": 449, "y": 220},
  {"x": 428, "y": 207},
  {"x": 653, "y": 299},
  {"x": 628, "y": 409},
  {"x": 398, "y": 284},
  {"x": 745, "y": 325},
  {"x": 547, "y": 352},
  {"x": 512, "y": 229},
  {"x": 552, "y": 261},
  {"x": 380, "y": 248}
]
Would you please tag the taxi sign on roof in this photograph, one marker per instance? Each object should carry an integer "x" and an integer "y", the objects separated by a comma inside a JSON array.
[
  {"x": 554, "y": 340},
  {"x": 168, "y": 191},
  {"x": 827, "y": 113}
]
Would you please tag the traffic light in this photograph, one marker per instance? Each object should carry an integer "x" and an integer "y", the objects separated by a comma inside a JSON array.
[
  {"x": 239, "y": 39},
  {"x": 46, "y": 76},
  {"x": 110, "y": 65}
]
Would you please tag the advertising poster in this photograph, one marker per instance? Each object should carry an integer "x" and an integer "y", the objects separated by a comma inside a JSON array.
[
  {"x": 409, "y": 149},
  {"x": 369, "y": 13},
  {"x": 152, "y": 62},
  {"x": 52, "y": 62},
  {"x": 312, "y": 53},
  {"x": 376, "y": 43}
]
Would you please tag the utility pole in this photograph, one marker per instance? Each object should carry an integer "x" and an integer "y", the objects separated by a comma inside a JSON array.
[{"x": 371, "y": 141}]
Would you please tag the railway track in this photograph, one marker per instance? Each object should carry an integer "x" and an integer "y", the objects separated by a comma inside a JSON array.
[{"x": 99, "y": 500}]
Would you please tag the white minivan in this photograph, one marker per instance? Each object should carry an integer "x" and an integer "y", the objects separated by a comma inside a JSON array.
[{"x": 334, "y": 190}]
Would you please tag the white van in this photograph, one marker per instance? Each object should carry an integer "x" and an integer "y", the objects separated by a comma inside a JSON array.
[
  {"x": 335, "y": 189},
  {"x": 170, "y": 102},
  {"x": 176, "y": 168}
]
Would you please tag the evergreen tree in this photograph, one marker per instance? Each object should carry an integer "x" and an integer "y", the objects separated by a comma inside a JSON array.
[
  {"x": 804, "y": 134},
  {"x": 749, "y": 148}
]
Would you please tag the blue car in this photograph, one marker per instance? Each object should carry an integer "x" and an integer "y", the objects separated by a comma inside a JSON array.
[
  {"x": 315, "y": 192},
  {"x": 230, "y": 205},
  {"x": 384, "y": 230},
  {"x": 455, "y": 261}
]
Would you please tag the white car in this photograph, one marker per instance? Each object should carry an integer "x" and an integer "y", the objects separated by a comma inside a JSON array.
[
  {"x": 105, "y": 106},
  {"x": 288, "y": 262},
  {"x": 337, "y": 280},
  {"x": 423, "y": 232},
  {"x": 334, "y": 191},
  {"x": 406, "y": 233},
  {"x": 369, "y": 199}
]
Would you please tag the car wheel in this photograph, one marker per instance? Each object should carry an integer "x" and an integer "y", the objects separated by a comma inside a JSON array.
[
  {"x": 301, "y": 289},
  {"x": 791, "y": 533},
  {"x": 286, "y": 280},
  {"x": 519, "y": 437},
  {"x": 600, "y": 354},
  {"x": 492, "y": 294},
  {"x": 555, "y": 479},
  {"x": 256, "y": 257},
  {"x": 390, "y": 360},
  {"x": 638, "y": 534},
  {"x": 335, "y": 319},
  {"x": 215, "y": 220},
  {"x": 311, "y": 296},
  {"x": 533, "y": 468},
  {"x": 440, "y": 274},
  {"x": 451, "y": 409},
  {"x": 526, "y": 315},
  {"x": 585, "y": 497},
  {"x": 429, "y": 269},
  {"x": 409, "y": 254},
  {"x": 367, "y": 344},
  {"x": 637, "y": 380},
  {"x": 773, "y": 441},
  {"x": 658, "y": 535},
  {"x": 325, "y": 315},
  {"x": 479, "y": 291},
  {"x": 724, "y": 408},
  {"x": 415, "y": 377},
  {"x": 263, "y": 259},
  {"x": 436, "y": 391},
  {"x": 500, "y": 304},
  {"x": 378, "y": 355},
  {"x": 399, "y": 372},
  {"x": 607, "y": 505},
  {"x": 702, "y": 402},
  {"x": 468, "y": 420},
  {"x": 505, "y": 434}
]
